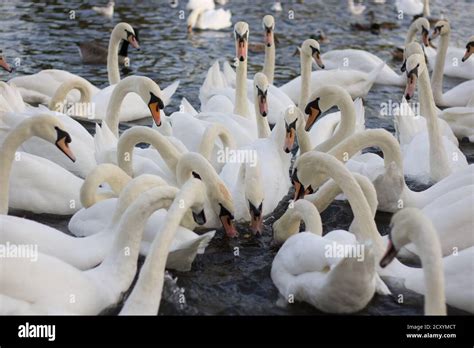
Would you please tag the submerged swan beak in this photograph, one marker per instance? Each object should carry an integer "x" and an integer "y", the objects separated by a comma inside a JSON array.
[
  {"x": 199, "y": 218},
  {"x": 313, "y": 110},
  {"x": 155, "y": 105},
  {"x": 5, "y": 65},
  {"x": 227, "y": 220},
  {"x": 411, "y": 83},
  {"x": 256, "y": 221},
  {"x": 389, "y": 255},
  {"x": 62, "y": 143}
]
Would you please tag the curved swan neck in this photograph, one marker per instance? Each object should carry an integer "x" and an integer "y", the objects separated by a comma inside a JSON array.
[
  {"x": 412, "y": 30},
  {"x": 241, "y": 106},
  {"x": 10, "y": 144},
  {"x": 438, "y": 71},
  {"x": 61, "y": 93},
  {"x": 113, "y": 71},
  {"x": 198, "y": 165},
  {"x": 369, "y": 138},
  {"x": 134, "y": 189},
  {"x": 302, "y": 211},
  {"x": 305, "y": 63},
  {"x": 439, "y": 163},
  {"x": 121, "y": 262},
  {"x": 329, "y": 166},
  {"x": 106, "y": 172},
  {"x": 145, "y": 297},
  {"x": 269, "y": 62},
  {"x": 346, "y": 125},
  {"x": 304, "y": 141},
  {"x": 209, "y": 140},
  {"x": 140, "y": 134}
]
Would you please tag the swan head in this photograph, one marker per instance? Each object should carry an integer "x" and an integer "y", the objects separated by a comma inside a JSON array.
[
  {"x": 469, "y": 48},
  {"x": 268, "y": 24},
  {"x": 415, "y": 67},
  {"x": 253, "y": 187},
  {"x": 241, "y": 35},
  {"x": 441, "y": 28},
  {"x": 51, "y": 129},
  {"x": 290, "y": 117},
  {"x": 151, "y": 94},
  {"x": 311, "y": 49},
  {"x": 301, "y": 184},
  {"x": 3, "y": 63},
  {"x": 405, "y": 227},
  {"x": 389, "y": 187},
  {"x": 423, "y": 26},
  {"x": 126, "y": 32},
  {"x": 321, "y": 100},
  {"x": 412, "y": 48},
  {"x": 260, "y": 84}
]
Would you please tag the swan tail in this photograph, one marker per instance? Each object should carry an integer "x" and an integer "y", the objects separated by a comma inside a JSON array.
[
  {"x": 169, "y": 91},
  {"x": 182, "y": 258},
  {"x": 186, "y": 107},
  {"x": 360, "y": 114},
  {"x": 10, "y": 98},
  {"x": 214, "y": 81}
]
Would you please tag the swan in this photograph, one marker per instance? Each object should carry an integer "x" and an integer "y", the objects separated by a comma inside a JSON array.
[
  {"x": 33, "y": 183},
  {"x": 365, "y": 61},
  {"x": 46, "y": 82},
  {"x": 462, "y": 93},
  {"x": 3, "y": 63},
  {"x": 278, "y": 100},
  {"x": 83, "y": 145},
  {"x": 41, "y": 283},
  {"x": 107, "y": 11},
  {"x": 410, "y": 7},
  {"x": 429, "y": 156},
  {"x": 202, "y": 18},
  {"x": 410, "y": 225},
  {"x": 301, "y": 270},
  {"x": 469, "y": 49},
  {"x": 86, "y": 253},
  {"x": 145, "y": 297},
  {"x": 312, "y": 168},
  {"x": 453, "y": 64},
  {"x": 421, "y": 25},
  {"x": 277, "y": 6},
  {"x": 355, "y": 82},
  {"x": 460, "y": 119},
  {"x": 355, "y": 9},
  {"x": 392, "y": 191}
]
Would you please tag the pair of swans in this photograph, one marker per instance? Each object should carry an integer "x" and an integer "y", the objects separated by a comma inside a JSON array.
[
  {"x": 40, "y": 87},
  {"x": 86, "y": 253},
  {"x": 32, "y": 183},
  {"x": 313, "y": 168},
  {"x": 364, "y": 61},
  {"x": 39, "y": 287}
]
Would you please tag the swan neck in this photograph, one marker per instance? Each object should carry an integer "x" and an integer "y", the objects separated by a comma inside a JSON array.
[
  {"x": 136, "y": 135},
  {"x": 112, "y": 117},
  {"x": 304, "y": 141},
  {"x": 209, "y": 140},
  {"x": 113, "y": 71},
  {"x": 305, "y": 81},
  {"x": 438, "y": 71},
  {"x": 11, "y": 143},
  {"x": 241, "y": 102},
  {"x": 346, "y": 126},
  {"x": 426, "y": 8},
  {"x": 59, "y": 98},
  {"x": 269, "y": 62}
]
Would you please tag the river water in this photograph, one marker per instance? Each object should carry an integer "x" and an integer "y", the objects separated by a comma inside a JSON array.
[{"x": 38, "y": 35}]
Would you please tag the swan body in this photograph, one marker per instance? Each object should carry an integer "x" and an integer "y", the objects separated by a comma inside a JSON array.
[
  {"x": 209, "y": 19},
  {"x": 107, "y": 11},
  {"x": 33, "y": 183},
  {"x": 410, "y": 7}
]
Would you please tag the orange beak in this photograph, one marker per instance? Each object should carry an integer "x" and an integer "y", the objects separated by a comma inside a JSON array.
[
  {"x": 268, "y": 37},
  {"x": 241, "y": 49},
  {"x": 289, "y": 140},
  {"x": 263, "y": 105},
  {"x": 5, "y": 65},
  {"x": 62, "y": 144},
  {"x": 313, "y": 116},
  {"x": 467, "y": 54},
  {"x": 411, "y": 87},
  {"x": 132, "y": 39},
  {"x": 229, "y": 226},
  {"x": 318, "y": 60}
]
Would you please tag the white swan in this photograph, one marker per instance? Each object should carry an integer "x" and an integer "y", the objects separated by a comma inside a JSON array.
[
  {"x": 366, "y": 61},
  {"x": 313, "y": 168},
  {"x": 46, "y": 82},
  {"x": 462, "y": 93},
  {"x": 86, "y": 253},
  {"x": 429, "y": 156},
  {"x": 41, "y": 283},
  {"x": 203, "y": 18},
  {"x": 410, "y": 225},
  {"x": 355, "y": 9},
  {"x": 33, "y": 183},
  {"x": 357, "y": 83},
  {"x": 410, "y": 7},
  {"x": 83, "y": 144},
  {"x": 107, "y": 11}
]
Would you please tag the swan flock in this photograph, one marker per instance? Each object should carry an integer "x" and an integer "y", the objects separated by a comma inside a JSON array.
[{"x": 225, "y": 168}]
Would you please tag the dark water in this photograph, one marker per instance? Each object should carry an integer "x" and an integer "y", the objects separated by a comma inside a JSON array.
[{"x": 37, "y": 35}]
